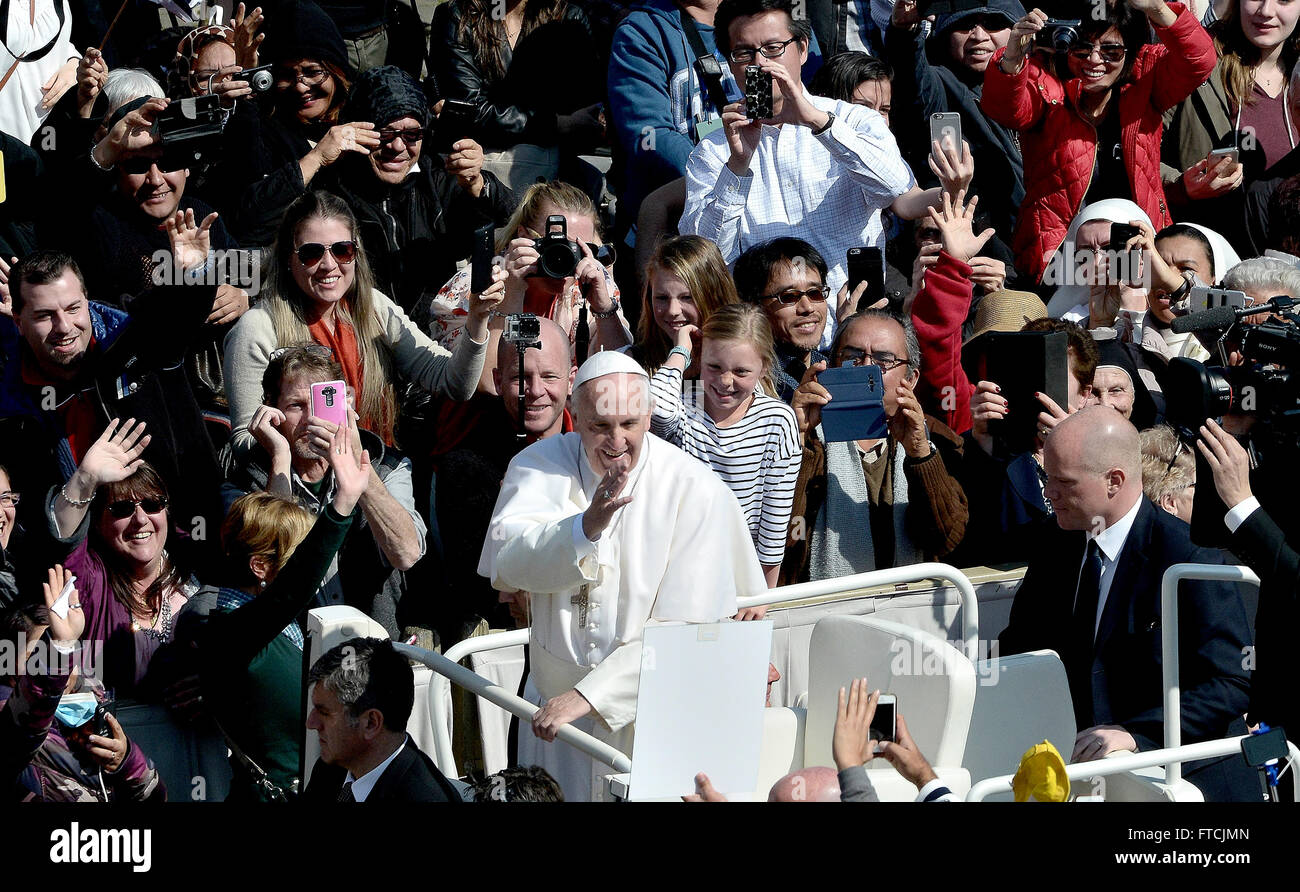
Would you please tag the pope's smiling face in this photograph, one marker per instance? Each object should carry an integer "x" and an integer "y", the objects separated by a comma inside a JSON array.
[{"x": 613, "y": 418}]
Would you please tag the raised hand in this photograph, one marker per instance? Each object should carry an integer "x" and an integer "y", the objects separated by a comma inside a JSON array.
[
  {"x": 908, "y": 423},
  {"x": 359, "y": 136},
  {"x": 6, "y": 301},
  {"x": 131, "y": 134},
  {"x": 70, "y": 626},
  {"x": 92, "y": 74},
  {"x": 591, "y": 277},
  {"x": 351, "y": 472},
  {"x": 465, "y": 163},
  {"x": 247, "y": 38},
  {"x": 606, "y": 500},
  {"x": 1228, "y": 461},
  {"x": 115, "y": 456},
  {"x": 265, "y": 428},
  {"x": 109, "y": 752},
  {"x": 742, "y": 136},
  {"x": 954, "y": 168},
  {"x": 955, "y": 222},
  {"x": 986, "y": 404},
  {"x": 1021, "y": 39},
  {"x": 1205, "y": 180},
  {"x": 808, "y": 399},
  {"x": 851, "y": 745},
  {"x": 190, "y": 242}
]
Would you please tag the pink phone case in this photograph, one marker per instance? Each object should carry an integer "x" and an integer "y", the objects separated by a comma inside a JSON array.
[{"x": 329, "y": 401}]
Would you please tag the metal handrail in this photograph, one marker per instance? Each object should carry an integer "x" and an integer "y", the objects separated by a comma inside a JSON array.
[
  {"x": 440, "y": 688},
  {"x": 892, "y": 576},
  {"x": 1134, "y": 761},
  {"x": 441, "y": 714},
  {"x": 1169, "y": 643},
  {"x": 480, "y": 686}
]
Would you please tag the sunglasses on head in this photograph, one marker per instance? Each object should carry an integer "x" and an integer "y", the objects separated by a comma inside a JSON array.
[
  {"x": 124, "y": 508},
  {"x": 312, "y": 252}
]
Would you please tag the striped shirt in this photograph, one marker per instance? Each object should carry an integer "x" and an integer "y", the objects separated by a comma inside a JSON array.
[{"x": 758, "y": 457}]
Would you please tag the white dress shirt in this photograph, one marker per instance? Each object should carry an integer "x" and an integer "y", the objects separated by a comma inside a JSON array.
[
  {"x": 362, "y": 786},
  {"x": 1111, "y": 542},
  {"x": 1237, "y": 516},
  {"x": 827, "y": 189}
]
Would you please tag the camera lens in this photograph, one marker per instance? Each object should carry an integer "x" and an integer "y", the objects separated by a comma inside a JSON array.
[
  {"x": 1218, "y": 392},
  {"x": 261, "y": 82},
  {"x": 557, "y": 259}
]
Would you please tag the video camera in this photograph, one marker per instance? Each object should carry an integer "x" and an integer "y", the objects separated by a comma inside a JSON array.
[
  {"x": 1266, "y": 387},
  {"x": 523, "y": 331},
  {"x": 191, "y": 128}
]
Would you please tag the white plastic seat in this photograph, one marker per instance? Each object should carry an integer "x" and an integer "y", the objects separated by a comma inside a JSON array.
[
  {"x": 1020, "y": 701},
  {"x": 933, "y": 681}
]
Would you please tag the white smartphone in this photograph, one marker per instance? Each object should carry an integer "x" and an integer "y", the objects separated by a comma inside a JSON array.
[{"x": 884, "y": 724}]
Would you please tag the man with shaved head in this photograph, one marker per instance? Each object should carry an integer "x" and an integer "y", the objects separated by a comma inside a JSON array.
[
  {"x": 818, "y": 784},
  {"x": 609, "y": 528},
  {"x": 1092, "y": 594}
]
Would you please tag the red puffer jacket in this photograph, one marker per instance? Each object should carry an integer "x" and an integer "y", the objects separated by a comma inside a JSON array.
[{"x": 1060, "y": 146}]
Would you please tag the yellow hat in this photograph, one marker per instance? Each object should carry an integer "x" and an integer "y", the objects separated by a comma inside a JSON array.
[{"x": 1041, "y": 775}]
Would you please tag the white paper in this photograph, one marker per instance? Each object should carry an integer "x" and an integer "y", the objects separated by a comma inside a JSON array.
[
  {"x": 64, "y": 602},
  {"x": 700, "y": 708}
]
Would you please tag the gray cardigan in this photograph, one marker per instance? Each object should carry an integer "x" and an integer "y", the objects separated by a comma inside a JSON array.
[{"x": 416, "y": 358}]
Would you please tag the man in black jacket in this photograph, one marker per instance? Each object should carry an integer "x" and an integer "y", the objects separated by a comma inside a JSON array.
[
  {"x": 416, "y": 214},
  {"x": 363, "y": 695}
]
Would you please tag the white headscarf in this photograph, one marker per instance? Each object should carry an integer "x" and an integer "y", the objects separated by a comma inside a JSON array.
[
  {"x": 1225, "y": 256},
  {"x": 1115, "y": 210}
]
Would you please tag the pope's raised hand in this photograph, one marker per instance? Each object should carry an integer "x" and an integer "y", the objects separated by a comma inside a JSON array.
[{"x": 607, "y": 500}]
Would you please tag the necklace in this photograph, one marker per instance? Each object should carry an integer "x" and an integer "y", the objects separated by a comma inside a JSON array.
[{"x": 163, "y": 617}]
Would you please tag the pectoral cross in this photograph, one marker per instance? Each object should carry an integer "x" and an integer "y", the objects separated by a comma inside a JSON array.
[{"x": 580, "y": 601}]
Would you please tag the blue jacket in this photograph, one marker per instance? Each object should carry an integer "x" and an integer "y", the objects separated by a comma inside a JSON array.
[{"x": 654, "y": 93}]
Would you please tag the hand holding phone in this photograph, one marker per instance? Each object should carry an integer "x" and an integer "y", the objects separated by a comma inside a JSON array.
[
  {"x": 758, "y": 93},
  {"x": 329, "y": 402}
]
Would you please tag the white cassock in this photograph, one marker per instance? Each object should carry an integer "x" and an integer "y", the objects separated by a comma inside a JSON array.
[{"x": 679, "y": 551}]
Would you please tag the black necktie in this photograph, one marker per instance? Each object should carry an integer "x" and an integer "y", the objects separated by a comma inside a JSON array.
[
  {"x": 1083, "y": 631},
  {"x": 345, "y": 795}
]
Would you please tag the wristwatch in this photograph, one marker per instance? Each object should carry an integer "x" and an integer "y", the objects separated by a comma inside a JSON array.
[
  {"x": 612, "y": 311},
  {"x": 830, "y": 119}
]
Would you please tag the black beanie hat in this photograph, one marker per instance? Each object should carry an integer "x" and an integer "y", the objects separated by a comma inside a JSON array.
[
  {"x": 384, "y": 94},
  {"x": 299, "y": 29}
]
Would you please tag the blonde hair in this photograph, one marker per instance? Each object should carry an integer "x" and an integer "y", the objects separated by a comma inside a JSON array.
[
  {"x": 565, "y": 198},
  {"x": 699, "y": 264},
  {"x": 746, "y": 323},
  {"x": 263, "y": 525},
  {"x": 1168, "y": 466},
  {"x": 287, "y": 307}
]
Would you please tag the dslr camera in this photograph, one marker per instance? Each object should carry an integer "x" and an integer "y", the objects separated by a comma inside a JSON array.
[
  {"x": 557, "y": 256},
  {"x": 1058, "y": 35}
]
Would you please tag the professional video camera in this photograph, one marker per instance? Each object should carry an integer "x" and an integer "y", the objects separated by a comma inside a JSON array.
[
  {"x": 1265, "y": 387},
  {"x": 191, "y": 128}
]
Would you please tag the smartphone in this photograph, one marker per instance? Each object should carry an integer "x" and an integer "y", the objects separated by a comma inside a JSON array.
[
  {"x": 867, "y": 265},
  {"x": 758, "y": 93},
  {"x": 857, "y": 407},
  {"x": 946, "y": 125},
  {"x": 1264, "y": 749},
  {"x": 455, "y": 122},
  {"x": 1215, "y": 154},
  {"x": 329, "y": 401},
  {"x": 1023, "y": 363},
  {"x": 481, "y": 259},
  {"x": 884, "y": 724},
  {"x": 100, "y": 721},
  {"x": 1120, "y": 233},
  {"x": 1203, "y": 298}
]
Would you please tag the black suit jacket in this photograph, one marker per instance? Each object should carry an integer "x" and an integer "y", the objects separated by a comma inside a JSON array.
[
  {"x": 1125, "y": 666},
  {"x": 411, "y": 777},
  {"x": 1261, "y": 544}
]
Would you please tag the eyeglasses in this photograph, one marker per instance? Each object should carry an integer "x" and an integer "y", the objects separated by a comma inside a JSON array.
[
  {"x": 1109, "y": 52},
  {"x": 774, "y": 50},
  {"x": 311, "y": 77},
  {"x": 1177, "y": 452},
  {"x": 410, "y": 136},
  {"x": 311, "y": 253},
  {"x": 10, "y": 498},
  {"x": 124, "y": 508},
  {"x": 793, "y": 295},
  {"x": 886, "y": 361}
]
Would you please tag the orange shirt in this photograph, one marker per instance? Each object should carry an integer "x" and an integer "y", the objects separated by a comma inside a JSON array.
[{"x": 342, "y": 342}]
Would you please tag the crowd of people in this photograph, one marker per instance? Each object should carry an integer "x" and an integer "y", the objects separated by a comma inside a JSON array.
[{"x": 269, "y": 370}]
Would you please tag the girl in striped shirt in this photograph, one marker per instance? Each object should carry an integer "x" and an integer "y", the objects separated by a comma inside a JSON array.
[{"x": 750, "y": 439}]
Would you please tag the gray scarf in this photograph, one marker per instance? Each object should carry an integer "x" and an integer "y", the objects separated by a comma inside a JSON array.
[{"x": 841, "y": 537}]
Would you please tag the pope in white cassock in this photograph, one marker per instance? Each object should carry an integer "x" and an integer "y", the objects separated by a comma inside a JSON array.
[{"x": 609, "y": 528}]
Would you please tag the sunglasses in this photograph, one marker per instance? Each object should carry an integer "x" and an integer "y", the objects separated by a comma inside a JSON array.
[
  {"x": 311, "y": 253},
  {"x": 1109, "y": 52},
  {"x": 793, "y": 296},
  {"x": 124, "y": 508},
  {"x": 410, "y": 136},
  {"x": 316, "y": 349},
  {"x": 141, "y": 164}
]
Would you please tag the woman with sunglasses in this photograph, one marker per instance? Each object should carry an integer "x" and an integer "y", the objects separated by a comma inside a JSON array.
[
  {"x": 1089, "y": 119},
  {"x": 111, "y": 525},
  {"x": 320, "y": 288},
  {"x": 1248, "y": 93},
  {"x": 8, "y": 519},
  {"x": 299, "y": 131}
]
